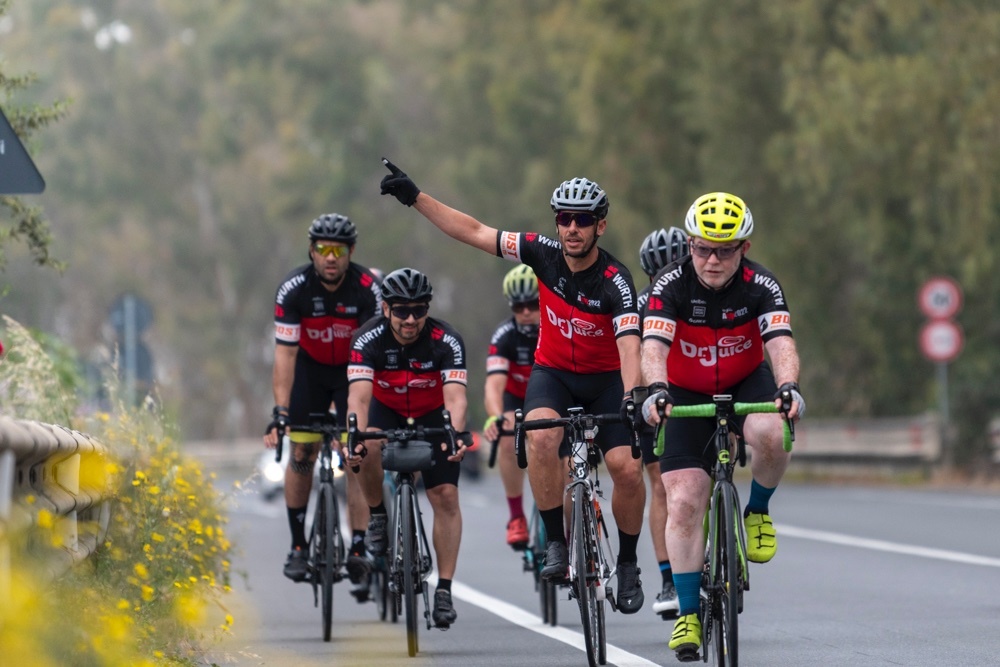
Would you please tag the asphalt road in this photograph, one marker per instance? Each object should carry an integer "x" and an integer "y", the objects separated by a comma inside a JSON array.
[{"x": 863, "y": 576}]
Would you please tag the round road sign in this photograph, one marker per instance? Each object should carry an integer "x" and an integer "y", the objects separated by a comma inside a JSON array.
[
  {"x": 940, "y": 297},
  {"x": 941, "y": 340}
]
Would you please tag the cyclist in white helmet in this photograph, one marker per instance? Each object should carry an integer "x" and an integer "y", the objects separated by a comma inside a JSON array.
[{"x": 587, "y": 355}]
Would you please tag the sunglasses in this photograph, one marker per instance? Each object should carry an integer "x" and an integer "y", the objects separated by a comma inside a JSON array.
[
  {"x": 403, "y": 312},
  {"x": 705, "y": 251},
  {"x": 327, "y": 249},
  {"x": 524, "y": 305},
  {"x": 566, "y": 218}
]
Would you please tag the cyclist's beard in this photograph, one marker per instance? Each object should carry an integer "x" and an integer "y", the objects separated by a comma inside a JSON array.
[
  {"x": 529, "y": 330},
  {"x": 582, "y": 253}
]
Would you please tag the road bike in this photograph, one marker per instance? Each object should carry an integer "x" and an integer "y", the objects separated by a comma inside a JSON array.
[
  {"x": 726, "y": 575},
  {"x": 327, "y": 554},
  {"x": 532, "y": 555},
  {"x": 407, "y": 451},
  {"x": 379, "y": 581},
  {"x": 589, "y": 544}
]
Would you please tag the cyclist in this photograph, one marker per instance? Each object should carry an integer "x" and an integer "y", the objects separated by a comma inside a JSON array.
[
  {"x": 406, "y": 365},
  {"x": 709, "y": 320},
  {"x": 660, "y": 248},
  {"x": 587, "y": 355},
  {"x": 508, "y": 364},
  {"x": 317, "y": 308}
]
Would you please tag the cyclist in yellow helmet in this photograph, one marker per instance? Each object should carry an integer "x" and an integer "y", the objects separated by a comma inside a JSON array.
[{"x": 709, "y": 321}]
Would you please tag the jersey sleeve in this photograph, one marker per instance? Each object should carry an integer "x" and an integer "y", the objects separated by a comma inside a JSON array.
[
  {"x": 499, "y": 354},
  {"x": 364, "y": 349},
  {"x": 287, "y": 315},
  {"x": 660, "y": 319},
  {"x": 774, "y": 319},
  {"x": 452, "y": 355},
  {"x": 625, "y": 314}
]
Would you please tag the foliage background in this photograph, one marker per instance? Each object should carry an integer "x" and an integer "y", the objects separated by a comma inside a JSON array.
[{"x": 192, "y": 156}]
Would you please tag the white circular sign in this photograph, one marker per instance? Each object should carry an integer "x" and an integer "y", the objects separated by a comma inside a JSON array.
[
  {"x": 940, "y": 298},
  {"x": 941, "y": 340}
]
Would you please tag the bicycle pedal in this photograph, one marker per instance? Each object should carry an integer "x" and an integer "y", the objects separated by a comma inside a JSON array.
[{"x": 687, "y": 654}]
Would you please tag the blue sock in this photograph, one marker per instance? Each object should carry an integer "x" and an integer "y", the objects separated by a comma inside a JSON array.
[
  {"x": 759, "y": 497},
  {"x": 688, "y": 585},
  {"x": 665, "y": 571}
]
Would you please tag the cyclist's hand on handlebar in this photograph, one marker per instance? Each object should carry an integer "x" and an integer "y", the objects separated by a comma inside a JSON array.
[
  {"x": 628, "y": 413},
  {"x": 399, "y": 185},
  {"x": 354, "y": 458},
  {"x": 276, "y": 429},
  {"x": 463, "y": 440},
  {"x": 650, "y": 408},
  {"x": 790, "y": 402},
  {"x": 492, "y": 426}
]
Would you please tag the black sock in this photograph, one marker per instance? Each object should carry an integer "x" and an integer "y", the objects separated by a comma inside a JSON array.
[
  {"x": 378, "y": 509},
  {"x": 444, "y": 585},
  {"x": 357, "y": 542},
  {"x": 626, "y": 547},
  {"x": 297, "y": 522},
  {"x": 553, "y": 520},
  {"x": 666, "y": 572}
]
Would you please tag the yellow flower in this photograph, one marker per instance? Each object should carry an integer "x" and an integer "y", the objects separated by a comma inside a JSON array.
[
  {"x": 45, "y": 519},
  {"x": 123, "y": 604},
  {"x": 141, "y": 570},
  {"x": 147, "y": 592}
]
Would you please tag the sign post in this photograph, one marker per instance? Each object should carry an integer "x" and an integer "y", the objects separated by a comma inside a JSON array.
[{"x": 941, "y": 341}]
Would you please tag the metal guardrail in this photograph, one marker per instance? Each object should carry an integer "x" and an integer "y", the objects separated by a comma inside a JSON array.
[{"x": 58, "y": 470}]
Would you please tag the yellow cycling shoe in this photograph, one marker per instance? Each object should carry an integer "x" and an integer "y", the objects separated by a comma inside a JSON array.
[
  {"x": 686, "y": 636},
  {"x": 762, "y": 541}
]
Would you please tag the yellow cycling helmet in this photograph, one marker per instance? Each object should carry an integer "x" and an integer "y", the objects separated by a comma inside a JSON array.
[
  {"x": 720, "y": 217},
  {"x": 520, "y": 285}
]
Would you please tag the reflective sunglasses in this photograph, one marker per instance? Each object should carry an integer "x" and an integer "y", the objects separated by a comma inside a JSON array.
[
  {"x": 723, "y": 254},
  {"x": 327, "y": 249},
  {"x": 525, "y": 305},
  {"x": 402, "y": 312},
  {"x": 566, "y": 218}
]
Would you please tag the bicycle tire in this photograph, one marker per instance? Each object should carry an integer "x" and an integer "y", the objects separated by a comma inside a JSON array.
[
  {"x": 325, "y": 526},
  {"x": 410, "y": 569},
  {"x": 727, "y": 584},
  {"x": 584, "y": 574}
]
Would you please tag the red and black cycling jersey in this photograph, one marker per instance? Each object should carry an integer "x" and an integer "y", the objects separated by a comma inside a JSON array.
[
  {"x": 408, "y": 379},
  {"x": 513, "y": 353},
  {"x": 582, "y": 313},
  {"x": 716, "y": 337},
  {"x": 322, "y": 322}
]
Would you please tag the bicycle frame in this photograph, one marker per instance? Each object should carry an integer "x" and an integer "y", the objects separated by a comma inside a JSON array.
[
  {"x": 589, "y": 545},
  {"x": 410, "y": 561},
  {"x": 726, "y": 574},
  {"x": 326, "y": 544}
]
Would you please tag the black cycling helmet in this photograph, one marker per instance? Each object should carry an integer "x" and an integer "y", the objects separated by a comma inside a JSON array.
[
  {"x": 662, "y": 247},
  {"x": 406, "y": 285},
  {"x": 580, "y": 194},
  {"x": 333, "y": 227}
]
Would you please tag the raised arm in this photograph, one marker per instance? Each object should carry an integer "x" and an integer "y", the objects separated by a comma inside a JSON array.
[{"x": 452, "y": 222}]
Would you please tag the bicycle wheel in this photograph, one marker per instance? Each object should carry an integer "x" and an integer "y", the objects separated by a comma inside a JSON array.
[
  {"x": 727, "y": 586},
  {"x": 585, "y": 574},
  {"x": 411, "y": 577},
  {"x": 324, "y": 549}
]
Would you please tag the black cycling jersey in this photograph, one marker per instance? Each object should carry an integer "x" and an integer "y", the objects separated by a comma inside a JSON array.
[
  {"x": 513, "y": 353},
  {"x": 716, "y": 337},
  {"x": 582, "y": 313},
  {"x": 408, "y": 379},
  {"x": 322, "y": 322}
]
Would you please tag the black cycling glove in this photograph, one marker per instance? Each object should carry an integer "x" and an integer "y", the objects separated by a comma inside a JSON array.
[
  {"x": 399, "y": 185},
  {"x": 793, "y": 389}
]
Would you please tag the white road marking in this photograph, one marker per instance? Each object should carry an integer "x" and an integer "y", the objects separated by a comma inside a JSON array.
[
  {"x": 883, "y": 545},
  {"x": 528, "y": 621}
]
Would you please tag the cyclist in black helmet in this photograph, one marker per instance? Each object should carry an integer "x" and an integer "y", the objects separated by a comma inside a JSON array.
[
  {"x": 660, "y": 248},
  {"x": 405, "y": 367},
  {"x": 587, "y": 355},
  {"x": 317, "y": 309}
]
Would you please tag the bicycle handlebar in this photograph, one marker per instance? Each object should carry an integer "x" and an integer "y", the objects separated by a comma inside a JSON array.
[
  {"x": 401, "y": 435},
  {"x": 740, "y": 409},
  {"x": 572, "y": 421}
]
